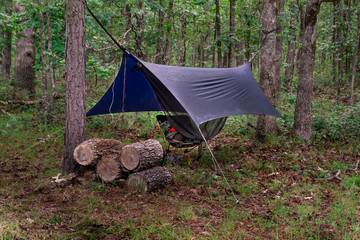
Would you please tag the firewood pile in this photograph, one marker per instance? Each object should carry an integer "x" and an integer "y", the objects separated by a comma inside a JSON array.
[{"x": 111, "y": 160}]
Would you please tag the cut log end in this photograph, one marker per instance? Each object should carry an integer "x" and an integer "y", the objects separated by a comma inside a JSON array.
[
  {"x": 84, "y": 154},
  {"x": 130, "y": 158},
  {"x": 108, "y": 168}
]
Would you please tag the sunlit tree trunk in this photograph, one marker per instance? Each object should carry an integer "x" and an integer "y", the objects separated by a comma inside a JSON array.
[
  {"x": 267, "y": 124},
  {"x": 25, "y": 60},
  {"x": 51, "y": 67},
  {"x": 74, "y": 82},
  {"x": 6, "y": 52}
]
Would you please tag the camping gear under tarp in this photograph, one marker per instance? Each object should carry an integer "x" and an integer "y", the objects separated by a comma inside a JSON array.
[{"x": 203, "y": 94}]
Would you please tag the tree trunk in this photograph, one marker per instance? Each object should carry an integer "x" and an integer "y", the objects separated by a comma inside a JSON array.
[
  {"x": 128, "y": 25},
  {"x": 232, "y": 34},
  {"x": 25, "y": 61},
  {"x": 240, "y": 59},
  {"x": 90, "y": 151},
  {"x": 6, "y": 52},
  {"x": 51, "y": 68},
  {"x": 355, "y": 60},
  {"x": 139, "y": 25},
  {"x": 267, "y": 124},
  {"x": 337, "y": 41},
  {"x": 302, "y": 118},
  {"x": 149, "y": 180},
  {"x": 142, "y": 155},
  {"x": 218, "y": 33},
  {"x": 278, "y": 47},
  {"x": 168, "y": 34},
  {"x": 109, "y": 168},
  {"x": 182, "y": 44},
  {"x": 291, "y": 52},
  {"x": 74, "y": 81},
  {"x": 159, "y": 49},
  {"x": 43, "y": 61}
]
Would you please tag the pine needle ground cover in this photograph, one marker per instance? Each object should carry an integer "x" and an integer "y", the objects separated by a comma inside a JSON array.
[{"x": 287, "y": 189}]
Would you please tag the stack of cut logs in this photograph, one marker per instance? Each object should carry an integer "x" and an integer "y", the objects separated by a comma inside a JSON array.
[{"x": 138, "y": 162}]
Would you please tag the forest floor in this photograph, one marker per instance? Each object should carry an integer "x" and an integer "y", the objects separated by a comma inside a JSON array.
[{"x": 287, "y": 189}]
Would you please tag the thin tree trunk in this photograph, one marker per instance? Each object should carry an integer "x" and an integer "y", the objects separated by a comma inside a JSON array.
[
  {"x": 139, "y": 26},
  {"x": 75, "y": 81},
  {"x": 43, "y": 62},
  {"x": 128, "y": 24},
  {"x": 355, "y": 60},
  {"x": 291, "y": 52},
  {"x": 240, "y": 59},
  {"x": 25, "y": 60},
  {"x": 6, "y": 52},
  {"x": 168, "y": 33},
  {"x": 182, "y": 44},
  {"x": 218, "y": 33},
  {"x": 194, "y": 42},
  {"x": 232, "y": 34},
  {"x": 51, "y": 67},
  {"x": 278, "y": 47},
  {"x": 302, "y": 118},
  {"x": 159, "y": 50},
  {"x": 267, "y": 124}
]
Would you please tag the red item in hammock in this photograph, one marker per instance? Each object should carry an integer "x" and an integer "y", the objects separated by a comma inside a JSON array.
[{"x": 171, "y": 130}]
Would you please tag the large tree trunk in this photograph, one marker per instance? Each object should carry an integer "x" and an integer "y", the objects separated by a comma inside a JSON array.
[
  {"x": 218, "y": 33},
  {"x": 6, "y": 52},
  {"x": 75, "y": 81},
  {"x": 43, "y": 61},
  {"x": 302, "y": 118},
  {"x": 159, "y": 49},
  {"x": 355, "y": 60},
  {"x": 51, "y": 67},
  {"x": 291, "y": 52},
  {"x": 149, "y": 180},
  {"x": 278, "y": 47},
  {"x": 232, "y": 34},
  {"x": 267, "y": 124},
  {"x": 25, "y": 61}
]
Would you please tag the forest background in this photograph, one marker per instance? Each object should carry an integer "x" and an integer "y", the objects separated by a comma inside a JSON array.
[{"x": 296, "y": 177}]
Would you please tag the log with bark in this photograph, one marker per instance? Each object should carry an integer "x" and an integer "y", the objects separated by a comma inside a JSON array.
[
  {"x": 149, "y": 180},
  {"x": 141, "y": 156},
  {"x": 90, "y": 151}
]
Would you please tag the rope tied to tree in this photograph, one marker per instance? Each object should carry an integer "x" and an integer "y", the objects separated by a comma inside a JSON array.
[{"x": 262, "y": 44}]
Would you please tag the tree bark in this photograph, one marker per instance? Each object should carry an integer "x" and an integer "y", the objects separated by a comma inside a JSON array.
[
  {"x": 168, "y": 33},
  {"x": 232, "y": 34},
  {"x": 240, "y": 59},
  {"x": 139, "y": 25},
  {"x": 141, "y": 156},
  {"x": 302, "y": 118},
  {"x": 218, "y": 33},
  {"x": 149, "y": 180},
  {"x": 267, "y": 124},
  {"x": 291, "y": 52},
  {"x": 90, "y": 151},
  {"x": 6, "y": 52},
  {"x": 43, "y": 61},
  {"x": 51, "y": 67},
  {"x": 74, "y": 81},
  {"x": 182, "y": 44},
  {"x": 159, "y": 49},
  {"x": 278, "y": 47},
  {"x": 355, "y": 60},
  {"x": 25, "y": 60},
  {"x": 128, "y": 24}
]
